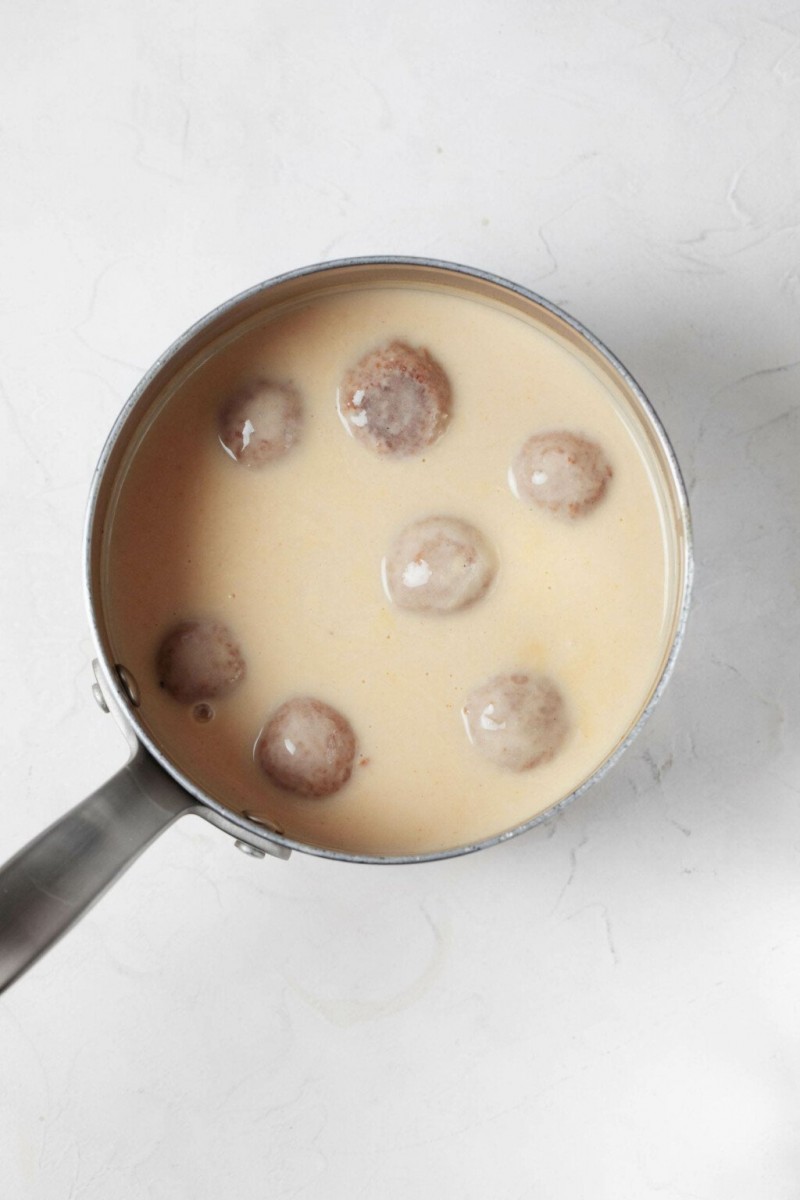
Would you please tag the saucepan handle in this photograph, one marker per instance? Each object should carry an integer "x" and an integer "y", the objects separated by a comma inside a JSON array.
[{"x": 51, "y": 882}]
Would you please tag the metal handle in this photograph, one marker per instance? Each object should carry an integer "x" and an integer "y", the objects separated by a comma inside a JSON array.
[{"x": 50, "y": 884}]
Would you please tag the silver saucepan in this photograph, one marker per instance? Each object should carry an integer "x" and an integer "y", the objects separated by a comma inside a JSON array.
[{"x": 49, "y": 884}]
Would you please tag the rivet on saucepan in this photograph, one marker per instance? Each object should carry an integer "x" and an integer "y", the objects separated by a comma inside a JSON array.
[
  {"x": 129, "y": 684},
  {"x": 260, "y": 819},
  {"x": 253, "y": 851}
]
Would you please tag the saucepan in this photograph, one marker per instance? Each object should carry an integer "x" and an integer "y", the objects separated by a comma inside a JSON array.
[{"x": 50, "y": 883}]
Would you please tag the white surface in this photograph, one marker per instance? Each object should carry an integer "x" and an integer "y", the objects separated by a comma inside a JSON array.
[{"x": 606, "y": 1007}]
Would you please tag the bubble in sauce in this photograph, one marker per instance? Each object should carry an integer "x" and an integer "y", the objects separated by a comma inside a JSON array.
[
  {"x": 563, "y": 472},
  {"x": 307, "y": 747},
  {"x": 518, "y": 721},
  {"x": 396, "y": 400},
  {"x": 198, "y": 661},
  {"x": 438, "y": 564},
  {"x": 260, "y": 422}
]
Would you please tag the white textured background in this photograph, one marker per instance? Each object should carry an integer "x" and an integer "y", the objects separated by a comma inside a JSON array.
[{"x": 608, "y": 1007}]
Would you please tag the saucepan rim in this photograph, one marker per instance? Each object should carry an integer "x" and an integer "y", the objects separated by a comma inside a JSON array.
[{"x": 254, "y": 832}]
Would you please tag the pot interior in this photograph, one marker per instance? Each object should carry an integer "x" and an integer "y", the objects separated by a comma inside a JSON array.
[{"x": 287, "y": 556}]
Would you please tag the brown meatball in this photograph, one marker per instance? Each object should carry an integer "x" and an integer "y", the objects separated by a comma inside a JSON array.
[
  {"x": 396, "y": 400},
  {"x": 561, "y": 471},
  {"x": 438, "y": 564},
  {"x": 199, "y": 660},
  {"x": 260, "y": 422},
  {"x": 307, "y": 747},
  {"x": 518, "y": 721}
]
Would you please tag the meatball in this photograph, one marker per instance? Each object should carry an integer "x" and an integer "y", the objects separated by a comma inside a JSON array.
[
  {"x": 260, "y": 422},
  {"x": 199, "y": 660},
  {"x": 438, "y": 564},
  {"x": 396, "y": 400},
  {"x": 561, "y": 471},
  {"x": 307, "y": 747},
  {"x": 518, "y": 721}
]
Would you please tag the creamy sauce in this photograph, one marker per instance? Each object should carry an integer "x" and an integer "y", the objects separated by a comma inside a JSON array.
[{"x": 289, "y": 557}]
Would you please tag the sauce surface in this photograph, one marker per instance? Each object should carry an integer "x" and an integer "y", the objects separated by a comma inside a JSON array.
[{"x": 289, "y": 557}]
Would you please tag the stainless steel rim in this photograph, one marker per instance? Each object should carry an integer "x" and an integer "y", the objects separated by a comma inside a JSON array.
[{"x": 256, "y": 832}]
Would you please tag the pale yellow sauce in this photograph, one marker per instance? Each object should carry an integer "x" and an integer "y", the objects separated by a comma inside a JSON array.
[{"x": 289, "y": 557}]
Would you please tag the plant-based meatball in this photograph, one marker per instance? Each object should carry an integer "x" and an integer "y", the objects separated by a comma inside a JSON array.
[
  {"x": 307, "y": 747},
  {"x": 439, "y": 564},
  {"x": 260, "y": 422},
  {"x": 561, "y": 471},
  {"x": 199, "y": 660},
  {"x": 396, "y": 400},
  {"x": 518, "y": 721}
]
